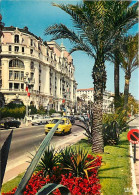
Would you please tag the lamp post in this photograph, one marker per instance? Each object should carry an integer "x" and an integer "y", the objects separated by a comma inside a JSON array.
[{"x": 26, "y": 81}]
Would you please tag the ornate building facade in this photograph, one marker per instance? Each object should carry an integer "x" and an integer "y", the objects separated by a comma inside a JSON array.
[{"x": 45, "y": 67}]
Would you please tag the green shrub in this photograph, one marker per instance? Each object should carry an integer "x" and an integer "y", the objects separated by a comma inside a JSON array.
[
  {"x": 13, "y": 105},
  {"x": 77, "y": 161},
  {"x": 113, "y": 125},
  {"x": 48, "y": 162},
  {"x": 13, "y": 112},
  {"x": 33, "y": 109},
  {"x": 41, "y": 110},
  {"x": 111, "y": 133},
  {"x": 51, "y": 111}
]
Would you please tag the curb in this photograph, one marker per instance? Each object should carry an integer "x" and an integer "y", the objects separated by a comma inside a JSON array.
[{"x": 134, "y": 187}]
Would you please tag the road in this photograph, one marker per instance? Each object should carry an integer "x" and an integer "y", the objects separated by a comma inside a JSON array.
[
  {"x": 134, "y": 123},
  {"x": 25, "y": 142},
  {"x": 29, "y": 138}
]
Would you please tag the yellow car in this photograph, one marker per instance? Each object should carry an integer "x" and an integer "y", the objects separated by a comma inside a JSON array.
[{"x": 63, "y": 128}]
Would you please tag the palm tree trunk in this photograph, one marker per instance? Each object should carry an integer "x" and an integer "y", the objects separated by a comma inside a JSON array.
[
  {"x": 116, "y": 79},
  {"x": 99, "y": 76},
  {"x": 126, "y": 91}
]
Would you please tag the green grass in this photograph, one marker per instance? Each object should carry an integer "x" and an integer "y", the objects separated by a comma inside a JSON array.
[
  {"x": 8, "y": 186},
  {"x": 114, "y": 174}
]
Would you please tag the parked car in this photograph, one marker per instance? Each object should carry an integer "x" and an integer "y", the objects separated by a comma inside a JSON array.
[
  {"x": 63, "y": 128},
  {"x": 83, "y": 118},
  {"x": 76, "y": 117},
  {"x": 55, "y": 115},
  {"x": 71, "y": 118},
  {"x": 40, "y": 120},
  {"x": 9, "y": 122}
]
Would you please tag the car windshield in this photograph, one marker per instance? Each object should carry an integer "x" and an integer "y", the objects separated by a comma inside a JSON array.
[{"x": 54, "y": 121}]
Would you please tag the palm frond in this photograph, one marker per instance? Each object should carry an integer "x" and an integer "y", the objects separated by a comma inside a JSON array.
[{"x": 61, "y": 31}]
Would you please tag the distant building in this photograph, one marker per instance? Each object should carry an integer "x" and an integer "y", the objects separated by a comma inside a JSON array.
[
  {"x": 46, "y": 67},
  {"x": 88, "y": 95}
]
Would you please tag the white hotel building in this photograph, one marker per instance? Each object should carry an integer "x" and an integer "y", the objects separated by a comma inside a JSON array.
[
  {"x": 88, "y": 95},
  {"x": 47, "y": 67}
]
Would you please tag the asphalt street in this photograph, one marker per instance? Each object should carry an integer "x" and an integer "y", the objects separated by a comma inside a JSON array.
[{"x": 25, "y": 142}]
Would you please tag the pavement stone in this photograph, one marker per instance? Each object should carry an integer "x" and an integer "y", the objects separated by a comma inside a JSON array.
[
  {"x": 135, "y": 124},
  {"x": 137, "y": 168}
]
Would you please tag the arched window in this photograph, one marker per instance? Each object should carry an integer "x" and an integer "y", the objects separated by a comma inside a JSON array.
[
  {"x": 16, "y": 63},
  {"x": 16, "y": 38}
]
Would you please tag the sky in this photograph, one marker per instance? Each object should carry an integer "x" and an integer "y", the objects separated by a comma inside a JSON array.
[{"x": 37, "y": 15}]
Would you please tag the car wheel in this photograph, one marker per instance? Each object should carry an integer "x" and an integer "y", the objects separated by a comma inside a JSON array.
[
  {"x": 63, "y": 133},
  {"x": 17, "y": 126},
  {"x": 6, "y": 127},
  {"x": 69, "y": 131}
]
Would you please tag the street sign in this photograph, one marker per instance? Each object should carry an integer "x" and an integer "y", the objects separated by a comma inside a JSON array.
[{"x": 133, "y": 136}]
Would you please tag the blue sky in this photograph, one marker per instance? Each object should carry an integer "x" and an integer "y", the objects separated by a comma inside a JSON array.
[{"x": 38, "y": 15}]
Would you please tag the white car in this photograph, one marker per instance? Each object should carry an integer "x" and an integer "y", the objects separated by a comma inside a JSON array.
[
  {"x": 40, "y": 120},
  {"x": 55, "y": 115}
]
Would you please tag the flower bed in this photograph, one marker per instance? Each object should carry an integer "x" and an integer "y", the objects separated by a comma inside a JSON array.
[{"x": 87, "y": 184}]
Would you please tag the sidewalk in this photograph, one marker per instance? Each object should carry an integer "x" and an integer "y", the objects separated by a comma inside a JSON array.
[
  {"x": 137, "y": 168},
  {"x": 135, "y": 125}
]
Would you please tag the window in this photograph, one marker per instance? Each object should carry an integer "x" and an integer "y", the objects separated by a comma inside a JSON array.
[
  {"x": 31, "y": 51},
  {"x": 10, "y": 75},
  {"x": 22, "y": 75},
  {"x": 16, "y": 63},
  {"x": 10, "y": 48},
  {"x": 16, "y": 48},
  {"x": 16, "y": 75},
  {"x": 23, "y": 50},
  {"x": 39, "y": 46},
  {"x": 16, "y": 39},
  {"x": 32, "y": 76},
  {"x": 22, "y": 86},
  {"x": 10, "y": 85},
  {"x": 31, "y": 42},
  {"x": 16, "y": 86},
  {"x": 32, "y": 65}
]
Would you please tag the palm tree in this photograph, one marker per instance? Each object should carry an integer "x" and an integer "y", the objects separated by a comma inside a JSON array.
[
  {"x": 96, "y": 30},
  {"x": 129, "y": 61},
  {"x": 116, "y": 56}
]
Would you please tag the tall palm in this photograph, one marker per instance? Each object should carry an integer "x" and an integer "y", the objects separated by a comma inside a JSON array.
[
  {"x": 129, "y": 61},
  {"x": 123, "y": 6},
  {"x": 96, "y": 31}
]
